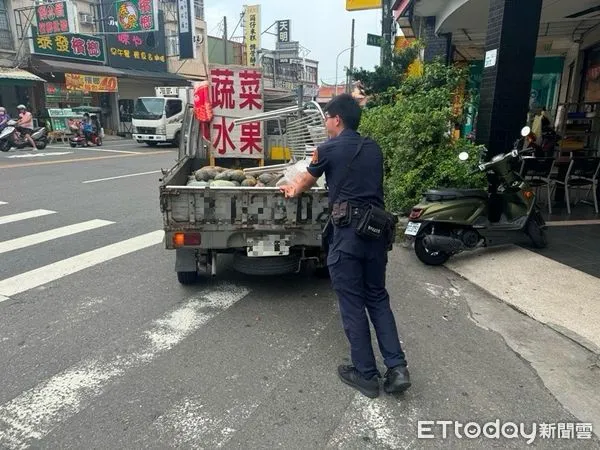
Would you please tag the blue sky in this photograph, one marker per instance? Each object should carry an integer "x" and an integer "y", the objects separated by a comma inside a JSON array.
[{"x": 322, "y": 26}]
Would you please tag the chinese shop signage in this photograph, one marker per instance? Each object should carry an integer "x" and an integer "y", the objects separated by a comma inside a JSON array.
[
  {"x": 136, "y": 15},
  {"x": 252, "y": 32},
  {"x": 75, "y": 46},
  {"x": 54, "y": 18},
  {"x": 236, "y": 92},
  {"x": 141, "y": 51},
  {"x": 90, "y": 83}
]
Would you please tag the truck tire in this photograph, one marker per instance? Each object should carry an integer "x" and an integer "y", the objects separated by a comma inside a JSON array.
[
  {"x": 187, "y": 277},
  {"x": 268, "y": 265}
]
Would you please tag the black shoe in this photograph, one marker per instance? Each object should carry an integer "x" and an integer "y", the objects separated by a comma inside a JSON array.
[
  {"x": 397, "y": 380},
  {"x": 352, "y": 377}
]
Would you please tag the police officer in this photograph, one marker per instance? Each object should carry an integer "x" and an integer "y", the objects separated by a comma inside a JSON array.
[{"x": 357, "y": 265}]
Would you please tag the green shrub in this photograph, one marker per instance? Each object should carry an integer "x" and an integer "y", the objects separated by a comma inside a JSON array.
[{"x": 413, "y": 130}]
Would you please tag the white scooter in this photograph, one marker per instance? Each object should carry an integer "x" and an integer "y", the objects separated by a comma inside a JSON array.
[{"x": 10, "y": 137}]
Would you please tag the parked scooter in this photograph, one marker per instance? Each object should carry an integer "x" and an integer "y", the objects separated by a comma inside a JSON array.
[
  {"x": 450, "y": 221},
  {"x": 10, "y": 137}
]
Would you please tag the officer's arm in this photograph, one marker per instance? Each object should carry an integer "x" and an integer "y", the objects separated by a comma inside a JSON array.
[{"x": 301, "y": 183}]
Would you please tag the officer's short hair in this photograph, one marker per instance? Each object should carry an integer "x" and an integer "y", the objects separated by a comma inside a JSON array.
[{"x": 346, "y": 108}]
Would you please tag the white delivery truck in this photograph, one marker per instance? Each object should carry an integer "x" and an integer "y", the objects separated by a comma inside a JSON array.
[{"x": 158, "y": 119}]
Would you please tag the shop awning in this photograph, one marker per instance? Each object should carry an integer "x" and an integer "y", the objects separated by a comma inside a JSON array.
[
  {"x": 19, "y": 75},
  {"x": 55, "y": 65},
  {"x": 59, "y": 66},
  {"x": 167, "y": 76}
]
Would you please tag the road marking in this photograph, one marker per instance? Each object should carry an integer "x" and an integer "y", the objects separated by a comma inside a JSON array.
[
  {"x": 121, "y": 176},
  {"x": 93, "y": 158},
  {"x": 38, "y": 277},
  {"x": 37, "y": 411},
  {"x": 98, "y": 149},
  {"x": 571, "y": 223},
  {"x": 25, "y": 215},
  {"x": 376, "y": 421},
  {"x": 44, "y": 236},
  {"x": 3, "y": 203},
  {"x": 194, "y": 420},
  {"x": 38, "y": 154}
]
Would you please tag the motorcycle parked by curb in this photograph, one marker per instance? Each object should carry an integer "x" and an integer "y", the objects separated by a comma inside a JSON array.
[{"x": 450, "y": 221}]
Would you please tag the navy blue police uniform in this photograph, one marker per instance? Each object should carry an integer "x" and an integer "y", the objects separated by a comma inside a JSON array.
[{"x": 357, "y": 265}]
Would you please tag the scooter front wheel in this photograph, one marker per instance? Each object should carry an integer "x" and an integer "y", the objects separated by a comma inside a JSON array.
[{"x": 428, "y": 257}]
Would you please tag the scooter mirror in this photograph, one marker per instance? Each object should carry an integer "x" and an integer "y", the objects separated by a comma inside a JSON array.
[
  {"x": 463, "y": 156},
  {"x": 525, "y": 131}
]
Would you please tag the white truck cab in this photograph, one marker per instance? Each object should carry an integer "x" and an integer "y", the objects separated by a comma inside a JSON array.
[{"x": 158, "y": 119}]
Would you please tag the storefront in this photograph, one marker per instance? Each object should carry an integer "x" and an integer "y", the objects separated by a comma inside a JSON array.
[
  {"x": 545, "y": 88},
  {"x": 17, "y": 86}
]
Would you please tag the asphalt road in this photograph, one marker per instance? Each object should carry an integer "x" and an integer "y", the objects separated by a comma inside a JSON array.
[{"x": 100, "y": 347}]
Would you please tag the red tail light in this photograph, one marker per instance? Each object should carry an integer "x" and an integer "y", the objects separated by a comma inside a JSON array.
[
  {"x": 415, "y": 213},
  {"x": 181, "y": 239}
]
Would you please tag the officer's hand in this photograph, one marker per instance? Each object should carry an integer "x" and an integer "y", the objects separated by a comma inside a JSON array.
[{"x": 288, "y": 190}]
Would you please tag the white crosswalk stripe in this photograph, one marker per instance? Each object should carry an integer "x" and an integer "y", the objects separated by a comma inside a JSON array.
[
  {"x": 37, "y": 411},
  {"x": 42, "y": 275},
  {"x": 3, "y": 203},
  {"x": 25, "y": 215},
  {"x": 44, "y": 236}
]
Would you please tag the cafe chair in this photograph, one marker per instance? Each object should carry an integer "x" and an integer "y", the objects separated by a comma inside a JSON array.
[
  {"x": 582, "y": 172},
  {"x": 537, "y": 172}
]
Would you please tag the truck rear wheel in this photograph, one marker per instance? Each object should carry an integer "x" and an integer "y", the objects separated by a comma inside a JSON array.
[{"x": 188, "y": 277}]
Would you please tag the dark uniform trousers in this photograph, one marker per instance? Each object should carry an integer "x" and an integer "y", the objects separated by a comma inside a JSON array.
[{"x": 357, "y": 268}]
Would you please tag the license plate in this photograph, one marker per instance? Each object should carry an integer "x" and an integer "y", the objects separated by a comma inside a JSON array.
[
  {"x": 271, "y": 245},
  {"x": 412, "y": 228}
]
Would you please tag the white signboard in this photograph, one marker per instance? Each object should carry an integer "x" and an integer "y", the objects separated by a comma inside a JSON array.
[
  {"x": 236, "y": 92},
  {"x": 490, "y": 58}
]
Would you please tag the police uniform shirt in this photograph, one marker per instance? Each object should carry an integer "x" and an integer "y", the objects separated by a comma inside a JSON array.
[{"x": 361, "y": 185}]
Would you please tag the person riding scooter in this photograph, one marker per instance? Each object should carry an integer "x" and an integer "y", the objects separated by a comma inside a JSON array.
[{"x": 25, "y": 125}]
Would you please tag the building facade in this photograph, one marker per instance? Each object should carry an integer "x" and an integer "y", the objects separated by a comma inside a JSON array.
[{"x": 83, "y": 43}]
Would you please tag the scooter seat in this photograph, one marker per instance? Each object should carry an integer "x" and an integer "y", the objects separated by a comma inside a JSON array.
[{"x": 453, "y": 194}]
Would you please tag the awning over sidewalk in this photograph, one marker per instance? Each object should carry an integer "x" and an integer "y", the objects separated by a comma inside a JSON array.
[
  {"x": 52, "y": 65},
  {"x": 18, "y": 75}
]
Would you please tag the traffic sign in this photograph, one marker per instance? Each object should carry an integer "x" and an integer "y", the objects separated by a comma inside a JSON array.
[{"x": 374, "y": 40}]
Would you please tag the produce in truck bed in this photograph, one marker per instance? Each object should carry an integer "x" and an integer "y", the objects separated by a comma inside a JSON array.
[
  {"x": 237, "y": 175},
  {"x": 249, "y": 181},
  {"x": 223, "y": 183},
  {"x": 223, "y": 176}
]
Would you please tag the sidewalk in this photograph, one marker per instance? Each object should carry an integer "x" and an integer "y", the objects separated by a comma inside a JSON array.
[{"x": 558, "y": 286}]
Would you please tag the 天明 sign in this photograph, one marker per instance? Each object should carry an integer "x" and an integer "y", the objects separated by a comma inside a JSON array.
[
  {"x": 252, "y": 32},
  {"x": 133, "y": 16},
  {"x": 75, "y": 46},
  {"x": 374, "y": 40},
  {"x": 90, "y": 83},
  {"x": 236, "y": 92},
  {"x": 283, "y": 31},
  {"x": 53, "y": 18}
]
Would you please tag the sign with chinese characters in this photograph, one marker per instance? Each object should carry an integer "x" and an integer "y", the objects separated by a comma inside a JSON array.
[
  {"x": 52, "y": 18},
  {"x": 374, "y": 40},
  {"x": 133, "y": 16},
  {"x": 140, "y": 51},
  {"x": 187, "y": 29},
  {"x": 236, "y": 92},
  {"x": 252, "y": 32},
  {"x": 90, "y": 83},
  {"x": 76, "y": 46},
  {"x": 283, "y": 31}
]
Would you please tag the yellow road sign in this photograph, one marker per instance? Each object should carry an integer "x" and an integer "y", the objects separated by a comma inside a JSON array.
[{"x": 358, "y": 5}]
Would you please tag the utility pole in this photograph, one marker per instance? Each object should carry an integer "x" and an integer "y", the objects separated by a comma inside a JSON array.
[
  {"x": 225, "y": 38},
  {"x": 351, "y": 68},
  {"x": 386, "y": 32}
]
